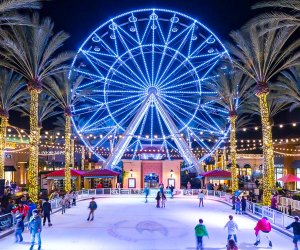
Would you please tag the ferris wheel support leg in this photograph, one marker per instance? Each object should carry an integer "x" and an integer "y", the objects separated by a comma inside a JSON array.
[
  {"x": 122, "y": 145},
  {"x": 181, "y": 144}
]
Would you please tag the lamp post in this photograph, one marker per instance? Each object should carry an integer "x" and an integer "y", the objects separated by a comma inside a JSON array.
[
  {"x": 131, "y": 172},
  {"x": 172, "y": 172}
]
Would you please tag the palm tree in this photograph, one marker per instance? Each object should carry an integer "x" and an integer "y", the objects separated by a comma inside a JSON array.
[
  {"x": 31, "y": 51},
  {"x": 64, "y": 90},
  {"x": 231, "y": 89},
  {"x": 262, "y": 56},
  {"x": 9, "y": 8},
  {"x": 275, "y": 106},
  {"x": 290, "y": 18},
  {"x": 288, "y": 87},
  {"x": 11, "y": 93}
]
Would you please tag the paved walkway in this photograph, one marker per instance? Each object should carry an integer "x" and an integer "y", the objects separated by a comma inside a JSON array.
[{"x": 131, "y": 224}]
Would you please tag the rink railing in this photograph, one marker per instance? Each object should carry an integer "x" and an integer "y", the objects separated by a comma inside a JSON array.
[
  {"x": 7, "y": 221},
  {"x": 278, "y": 218}
]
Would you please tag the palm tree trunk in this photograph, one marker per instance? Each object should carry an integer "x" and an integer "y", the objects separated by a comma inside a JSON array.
[
  {"x": 68, "y": 186},
  {"x": 34, "y": 145},
  {"x": 3, "y": 125},
  {"x": 72, "y": 153},
  {"x": 268, "y": 153},
  {"x": 233, "y": 154}
]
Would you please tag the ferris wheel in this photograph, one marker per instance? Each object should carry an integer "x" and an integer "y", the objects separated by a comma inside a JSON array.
[{"x": 143, "y": 74}]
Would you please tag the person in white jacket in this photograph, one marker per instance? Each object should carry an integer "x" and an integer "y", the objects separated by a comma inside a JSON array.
[
  {"x": 201, "y": 198},
  {"x": 232, "y": 228}
]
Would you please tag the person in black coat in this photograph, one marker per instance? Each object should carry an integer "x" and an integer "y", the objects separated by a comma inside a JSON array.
[
  {"x": 158, "y": 199},
  {"x": 47, "y": 210},
  {"x": 244, "y": 204}
]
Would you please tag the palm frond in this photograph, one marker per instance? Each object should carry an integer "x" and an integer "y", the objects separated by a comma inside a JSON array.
[
  {"x": 264, "y": 56},
  {"x": 32, "y": 51},
  {"x": 12, "y": 90}
]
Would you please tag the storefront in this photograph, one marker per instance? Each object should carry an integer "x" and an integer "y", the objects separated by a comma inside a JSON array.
[
  {"x": 56, "y": 182},
  {"x": 217, "y": 176},
  {"x": 100, "y": 178}
]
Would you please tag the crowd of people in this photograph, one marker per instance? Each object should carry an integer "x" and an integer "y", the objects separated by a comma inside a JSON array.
[{"x": 262, "y": 228}]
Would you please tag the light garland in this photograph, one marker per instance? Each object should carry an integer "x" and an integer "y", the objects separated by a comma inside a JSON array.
[
  {"x": 68, "y": 186},
  {"x": 233, "y": 154},
  {"x": 33, "y": 189},
  {"x": 269, "y": 172},
  {"x": 3, "y": 125}
]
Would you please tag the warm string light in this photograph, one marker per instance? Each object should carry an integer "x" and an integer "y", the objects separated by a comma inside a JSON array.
[
  {"x": 33, "y": 189},
  {"x": 269, "y": 173},
  {"x": 233, "y": 154},
  {"x": 3, "y": 125},
  {"x": 68, "y": 186}
]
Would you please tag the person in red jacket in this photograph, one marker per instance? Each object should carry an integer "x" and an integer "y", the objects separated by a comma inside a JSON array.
[
  {"x": 22, "y": 208},
  {"x": 263, "y": 227}
]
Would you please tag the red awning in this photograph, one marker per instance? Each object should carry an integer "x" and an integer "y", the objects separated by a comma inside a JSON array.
[
  {"x": 100, "y": 173},
  {"x": 289, "y": 178},
  {"x": 217, "y": 173},
  {"x": 61, "y": 173}
]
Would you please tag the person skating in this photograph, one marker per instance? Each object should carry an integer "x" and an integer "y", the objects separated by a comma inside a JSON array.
[
  {"x": 74, "y": 198},
  {"x": 47, "y": 210},
  {"x": 231, "y": 245},
  {"x": 35, "y": 228},
  {"x": 237, "y": 206},
  {"x": 63, "y": 204},
  {"x": 296, "y": 230},
  {"x": 163, "y": 200},
  {"x": 172, "y": 190},
  {"x": 201, "y": 198},
  {"x": 263, "y": 227},
  {"x": 92, "y": 207},
  {"x": 232, "y": 229},
  {"x": 19, "y": 228},
  {"x": 200, "y": 232},
  {"x": 244, "y": 204},
  {"x": 157, "y": 198},
  {"x": 147, "y": 191}
]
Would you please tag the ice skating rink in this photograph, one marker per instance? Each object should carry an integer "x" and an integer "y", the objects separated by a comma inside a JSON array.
[{"x": 131, "y": 224}]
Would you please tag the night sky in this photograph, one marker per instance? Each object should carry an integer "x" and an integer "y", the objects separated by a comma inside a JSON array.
[{"x": 80, "y": 17}]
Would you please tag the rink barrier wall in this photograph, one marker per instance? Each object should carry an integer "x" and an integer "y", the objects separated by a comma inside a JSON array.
[{"x": 278, "y": 219}]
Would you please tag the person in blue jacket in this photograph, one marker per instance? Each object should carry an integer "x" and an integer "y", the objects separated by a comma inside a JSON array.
[{"x": 35, "y": 228}]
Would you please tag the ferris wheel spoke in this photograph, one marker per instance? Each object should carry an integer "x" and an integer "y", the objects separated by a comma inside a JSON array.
[
  {"x": 87, "y": 109},
  {"x": 93, "y": 65},
  {"x": 98, "y": 129},
  {"x": 151, "y": 124},
  {"x": 189, "y": 28},
  {"x": 200, "y": 47},
  {"x": 90, "y": 119},
  {"x": 104, "y": 138},
  {"x": 199, "y": 67},
  {"x": 119, "y": 84},
  {"x": 133, "y": 59},
  {"x": 199, "y": 140},
  {"x": 109, "y": 68},
  {"x": 128, "y": 98},
  {"x": 160, "y": 123},
  {"x": 142, "y": 50},
  {"x": 126, "y": 107},
  {"x": 187, "y": 113},
  {"x": 88, "y": 74},
  {"x": 164, "y": 51},
  {"x": 181, "y": 101},
  {"x": 182, "y": 92}
]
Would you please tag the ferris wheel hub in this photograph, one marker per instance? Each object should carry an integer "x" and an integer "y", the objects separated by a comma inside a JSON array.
[{"x": 152, "y": 90}]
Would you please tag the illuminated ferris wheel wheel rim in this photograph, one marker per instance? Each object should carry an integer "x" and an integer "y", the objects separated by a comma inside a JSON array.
[
  {"x": 132, "y": 19},
  {"x": 111, "y": 72}
]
